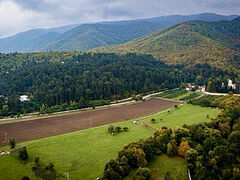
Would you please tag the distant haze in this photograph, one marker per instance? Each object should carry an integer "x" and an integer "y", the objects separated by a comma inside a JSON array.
[{"x": 20, "y": 15}]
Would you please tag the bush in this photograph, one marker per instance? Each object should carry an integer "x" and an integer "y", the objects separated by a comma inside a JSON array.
[
  {"x": 111, "y": 129},
  {"x": 168, "y": 176},
  {"x": 125, "y": 128},
  {"x": 118, "y": 129},
  {"x": 25, "y": 178},
  {"x": 153, "y": 120},
  {"x": 36, "y": 160},
  {"x": 23, "y": 155},
  {"x": 47, "y": 172},
  {"x": 12, "y": 143},
  {"x": 143, "y": 173}
]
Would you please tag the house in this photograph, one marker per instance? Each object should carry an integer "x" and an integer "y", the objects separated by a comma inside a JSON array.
[
  {"x": 190, "y": 86},
  {"x": 230, "y": 84},
  {"x": 24, "y": 98},
  {"x": 202, "y": 88}
]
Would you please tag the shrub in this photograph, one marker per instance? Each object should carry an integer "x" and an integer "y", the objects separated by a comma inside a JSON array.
[
  {"x": 25, "y": 178},
  {"x": 23, "y": 155},
  {"x": 12, "y": 143},
  {"x": 111, "y": 129},
  {"x": 47, "y": 172},
  {"x": 36, "y": 160},
  {"x": 118, "y": 129},
  {"x": 168, "y": 176},
  {"x": 125, "y": 128},
  {"x": 143, "y": 173},
  {"x": 153, "y": 120}
]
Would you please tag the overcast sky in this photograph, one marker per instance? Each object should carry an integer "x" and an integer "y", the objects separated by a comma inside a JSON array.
[{"x": 21, "y": 15}]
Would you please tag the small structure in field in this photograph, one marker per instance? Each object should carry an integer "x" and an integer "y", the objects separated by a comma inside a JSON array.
[
  {"x": 136, "y": 122},
  {"x": 24, "y": 98}
]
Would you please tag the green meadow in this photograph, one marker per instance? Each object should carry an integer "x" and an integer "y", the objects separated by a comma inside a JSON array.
[{"x": 83, "y": 154}]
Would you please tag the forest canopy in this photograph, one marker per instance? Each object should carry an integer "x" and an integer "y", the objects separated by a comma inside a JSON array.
[{"x": 58, "y": 78}]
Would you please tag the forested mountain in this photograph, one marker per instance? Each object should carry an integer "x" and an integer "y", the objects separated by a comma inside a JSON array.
[
  {"x": 89, "y": 36},
  {"x": 31, "y": 40},
  {"x": 58, "y": 78},
  {"x": 176, "y": 19},
  {"x": 189, "y": 43}
]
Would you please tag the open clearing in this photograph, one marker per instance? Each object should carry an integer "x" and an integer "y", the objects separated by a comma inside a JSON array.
[
  {"x": 84, "y": 153},
  {"x": 161, "y": 165},
  {"x": 44, "y": 127}
]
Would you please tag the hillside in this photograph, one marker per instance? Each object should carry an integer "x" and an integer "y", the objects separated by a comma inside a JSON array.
[
  {"x": 189, "y": 43},
  {"x": 31, "y": 40},
  {"x": 87, "y": 36}
]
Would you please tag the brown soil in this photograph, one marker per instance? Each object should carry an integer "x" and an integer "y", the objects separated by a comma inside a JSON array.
[{"x": 44, "y": 127}]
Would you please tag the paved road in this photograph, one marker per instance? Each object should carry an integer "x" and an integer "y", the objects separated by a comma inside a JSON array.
[{"x": 218, "y": 94}]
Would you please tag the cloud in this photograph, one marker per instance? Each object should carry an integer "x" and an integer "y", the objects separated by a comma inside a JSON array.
[
  {"x": 14, "y": 18},
  {"x": 19, "y": 15}
]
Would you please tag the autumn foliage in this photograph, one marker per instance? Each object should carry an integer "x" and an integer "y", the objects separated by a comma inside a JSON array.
[{"x": 183, "y": 148}]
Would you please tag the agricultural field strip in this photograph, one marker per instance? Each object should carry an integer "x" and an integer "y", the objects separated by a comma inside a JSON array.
[
  {"x": 39, "y": 128},
  {"x": 121, "y": 102}
]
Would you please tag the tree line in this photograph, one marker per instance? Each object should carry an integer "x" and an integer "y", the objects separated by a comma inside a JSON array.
[
  {"x": 211, "y": 149},
  {"x": 80, "y": 80}
]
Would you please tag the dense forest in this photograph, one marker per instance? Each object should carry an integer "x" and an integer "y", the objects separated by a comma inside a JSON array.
[
  {"x": 64, "y": 80},
  {"x": 192, "y": 42},
  {"x": 211, "y": 149}
]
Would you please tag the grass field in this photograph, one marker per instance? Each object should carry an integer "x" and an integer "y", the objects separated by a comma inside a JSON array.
[
  {"x": 175, "y": 166},
  {"x": 179, "y": 94},
  {"x": 83, "y": 154},
  {"x": 183, "y": 114}
]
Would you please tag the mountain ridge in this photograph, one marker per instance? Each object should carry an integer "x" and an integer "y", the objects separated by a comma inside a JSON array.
[
  {"x": 189, "y": 43},
  {"x": 60, "y": 38}
]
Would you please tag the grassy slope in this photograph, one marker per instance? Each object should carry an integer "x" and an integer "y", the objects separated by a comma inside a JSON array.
[
  {"x": 84, "y": 153},
  {"x": 179, "y": 94},
  {"x": 189, "y": 43},
  {"x": 183, "y": 114},
  {"x": 176, "y": 166}
]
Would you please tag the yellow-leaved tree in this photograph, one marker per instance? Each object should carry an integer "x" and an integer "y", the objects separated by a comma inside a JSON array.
[{"x": 183, "y": 148}]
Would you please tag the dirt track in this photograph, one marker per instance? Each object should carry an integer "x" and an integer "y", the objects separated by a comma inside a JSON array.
[{"x": 38, "y": 128}]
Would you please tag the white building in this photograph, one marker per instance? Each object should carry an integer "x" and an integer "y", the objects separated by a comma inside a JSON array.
[
  {"x": 202, "y": 88},
  {"x": 230, "y": 84},
  {"x": 24, "y": 98}
]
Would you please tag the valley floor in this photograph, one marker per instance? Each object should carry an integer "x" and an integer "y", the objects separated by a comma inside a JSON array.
[
  {"x": 84, "y": 153},
  {"x": 44, "y": 127}
]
